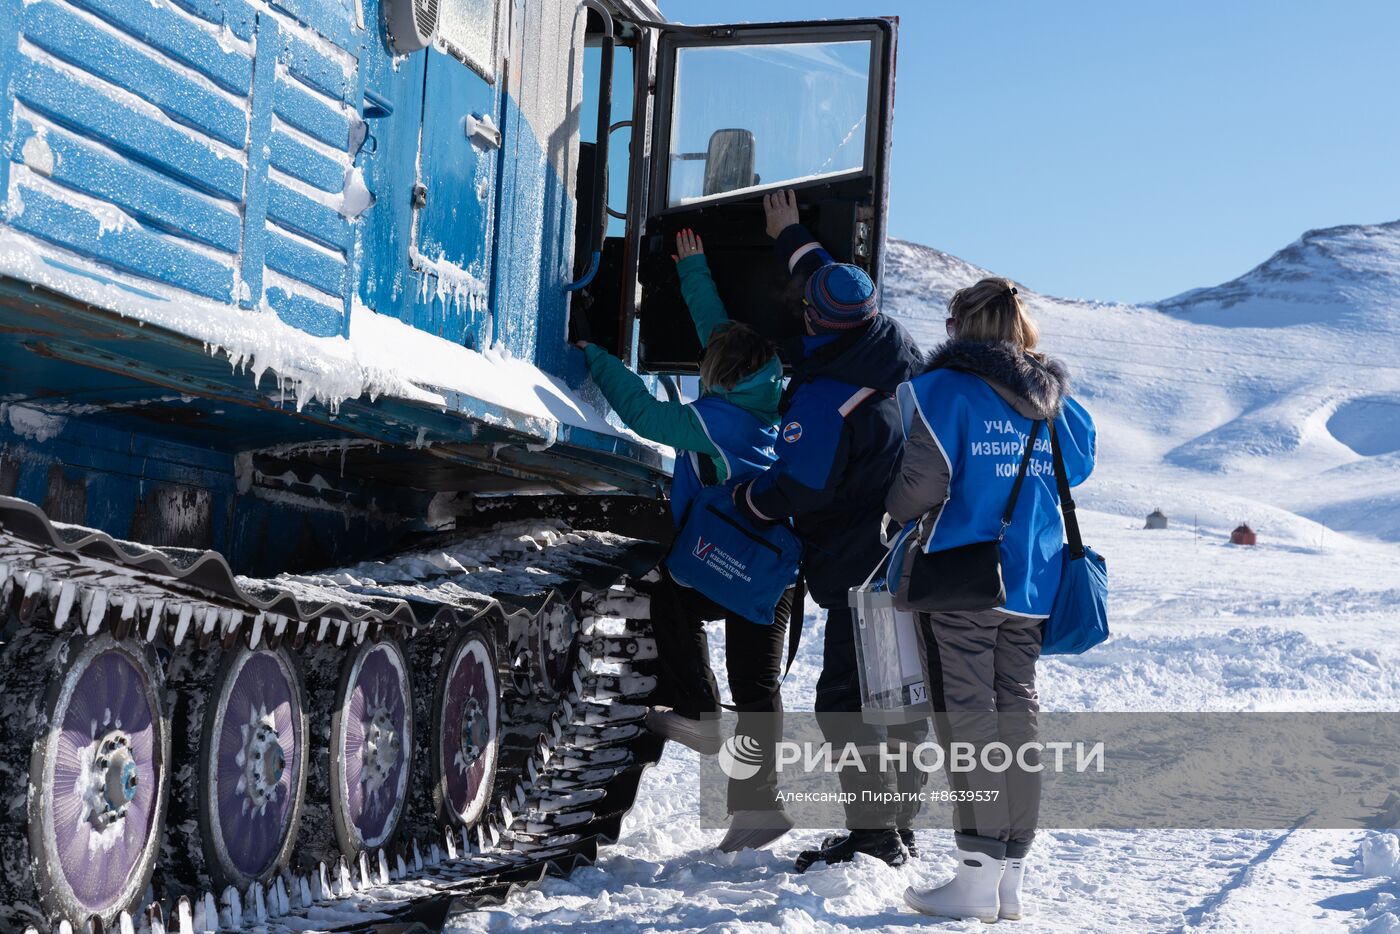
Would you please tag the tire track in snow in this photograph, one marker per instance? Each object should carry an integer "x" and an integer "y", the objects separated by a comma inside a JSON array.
[{"x": 1207, "y": 912}]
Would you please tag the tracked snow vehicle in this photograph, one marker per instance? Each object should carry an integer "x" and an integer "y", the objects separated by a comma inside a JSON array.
[{"x": 322, "y": 577}]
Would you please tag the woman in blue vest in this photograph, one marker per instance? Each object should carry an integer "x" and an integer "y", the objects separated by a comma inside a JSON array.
[
  {"x": 967, "y": 419},
  {"x": 727, "y": 434}
]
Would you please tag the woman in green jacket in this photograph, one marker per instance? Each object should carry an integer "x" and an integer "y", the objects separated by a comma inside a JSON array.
[
  {"x": 675, "y": 424},
  {"x": 726, "y": 434}
]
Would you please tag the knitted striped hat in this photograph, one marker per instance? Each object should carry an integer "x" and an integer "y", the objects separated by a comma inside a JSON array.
[{"x": 840, "y": 297}]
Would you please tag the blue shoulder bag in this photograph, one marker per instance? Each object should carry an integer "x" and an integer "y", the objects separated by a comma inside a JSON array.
[
  {"x": 1079, "y": 619},
  {"x": 721, "y": 553}
]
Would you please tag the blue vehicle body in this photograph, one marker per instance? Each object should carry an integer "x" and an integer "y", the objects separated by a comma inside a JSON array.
[
  {"x": 188, "y": 184},
  {"x": 284, "y": 283}
]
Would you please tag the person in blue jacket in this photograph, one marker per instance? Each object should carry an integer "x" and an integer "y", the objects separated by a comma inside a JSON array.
[
  {"x": 726, "y": 435},
  {"x": 968, "y": 418},
  {"x": 839, "y": 442}
]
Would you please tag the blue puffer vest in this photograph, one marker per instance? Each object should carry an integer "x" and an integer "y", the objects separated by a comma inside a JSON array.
[
  {"x": 744, "y": 442},
  {"x": 982, "y": 436}
]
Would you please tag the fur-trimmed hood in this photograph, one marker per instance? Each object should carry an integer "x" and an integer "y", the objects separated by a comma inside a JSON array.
[{"x": 1035, "y": 391}]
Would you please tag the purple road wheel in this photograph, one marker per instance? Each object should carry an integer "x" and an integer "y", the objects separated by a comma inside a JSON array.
[
  {"x": 99, "y": 781},
  {"x": 371, "y": 746},
  {"x": 466, "y": 729},
  {"x": 253, "y": 766}
]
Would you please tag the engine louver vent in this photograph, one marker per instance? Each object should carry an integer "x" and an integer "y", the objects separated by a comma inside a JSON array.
[
  {"x": 411, "y": 24},
  {"x": 425, "y": 15}
]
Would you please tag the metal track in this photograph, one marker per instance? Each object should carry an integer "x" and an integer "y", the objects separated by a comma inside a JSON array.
[{"x": 561, "y": 790}]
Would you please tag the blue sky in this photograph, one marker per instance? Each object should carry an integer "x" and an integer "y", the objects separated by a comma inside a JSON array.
[{"x": 1120, "y": 149}]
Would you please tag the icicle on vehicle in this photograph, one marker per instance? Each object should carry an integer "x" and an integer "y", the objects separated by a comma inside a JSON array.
[{"x": 285, "y": 286}]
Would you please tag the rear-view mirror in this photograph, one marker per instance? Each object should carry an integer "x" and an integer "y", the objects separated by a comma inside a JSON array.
[{"x": 729, "y": 161}]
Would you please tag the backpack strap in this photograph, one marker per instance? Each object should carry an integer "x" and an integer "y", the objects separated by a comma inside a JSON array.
[
  {"x": 1021, "y": 477},
  {"x": 1067, "y": 509}
]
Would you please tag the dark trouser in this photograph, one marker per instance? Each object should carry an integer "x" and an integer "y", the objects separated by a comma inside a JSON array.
[
  {"x": 982, "y": 684},
  {"x": 838, "y": 694},
  {"x": 754, "y": 657}
]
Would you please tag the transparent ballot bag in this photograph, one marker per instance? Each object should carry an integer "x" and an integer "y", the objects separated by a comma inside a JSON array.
[{"x": 890, "y": 654}]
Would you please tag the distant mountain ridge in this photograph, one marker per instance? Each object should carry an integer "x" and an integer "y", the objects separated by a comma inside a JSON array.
[
  {"x": 1339, "y": 276},
  {"x": 1335, "y": 276}
]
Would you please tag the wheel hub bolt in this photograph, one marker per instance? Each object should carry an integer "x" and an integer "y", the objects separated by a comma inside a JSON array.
[
  {"x": 115, "y": 776},
  {"x": 264, "y": 763},
  {"x": 381, "y": 750},
  {"x": 475, "y": 731}
]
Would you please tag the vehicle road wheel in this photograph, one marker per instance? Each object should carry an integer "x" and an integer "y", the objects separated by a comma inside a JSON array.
[{"x": 98, "y": 779}]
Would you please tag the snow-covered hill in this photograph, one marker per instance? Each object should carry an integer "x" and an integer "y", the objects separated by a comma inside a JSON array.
[
  {"x": 1228, "y": 414},
  {"x": 1342, "y": 277}
]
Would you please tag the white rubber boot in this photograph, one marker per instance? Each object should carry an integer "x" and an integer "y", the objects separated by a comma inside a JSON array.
[
  {"x": 1009, "y": 892},
  {"x": 971, "y": 894}
]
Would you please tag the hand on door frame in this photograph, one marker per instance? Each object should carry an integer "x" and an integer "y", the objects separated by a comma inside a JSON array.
[{"x": 779, "y": 211}]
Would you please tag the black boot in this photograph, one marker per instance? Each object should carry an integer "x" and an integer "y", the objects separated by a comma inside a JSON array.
[
  {"x": 911, "y": 846},
  {"x": 881, "y": 844}
]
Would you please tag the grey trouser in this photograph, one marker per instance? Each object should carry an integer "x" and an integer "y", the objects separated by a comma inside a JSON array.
[{"x": 982, "y": 684}]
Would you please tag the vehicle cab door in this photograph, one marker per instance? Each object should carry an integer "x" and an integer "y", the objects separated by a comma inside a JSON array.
[
  {"x": 741, "y": 111},
  {"x": 455, "y": 195}
]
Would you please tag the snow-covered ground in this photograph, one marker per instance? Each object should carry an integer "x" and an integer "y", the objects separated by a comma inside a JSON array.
[
  {"x": 1285, "y": 414},
  {"x": 1251, "y": 647}
]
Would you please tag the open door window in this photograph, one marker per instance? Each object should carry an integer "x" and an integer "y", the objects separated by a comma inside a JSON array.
[{"x": 744, "y": 110}]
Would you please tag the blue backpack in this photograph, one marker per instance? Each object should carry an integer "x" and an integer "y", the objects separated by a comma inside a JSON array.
[{"x": 722, "y": 554}]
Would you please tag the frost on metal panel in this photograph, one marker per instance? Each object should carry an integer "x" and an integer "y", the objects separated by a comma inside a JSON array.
[
  {"x": 467, "y": 29},
  {"x": 537, "y": 221},
  {"x": 194, "y": 153}
]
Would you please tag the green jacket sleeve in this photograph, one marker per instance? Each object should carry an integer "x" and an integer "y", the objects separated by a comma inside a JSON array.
[
  {"x": 671, "y": 423},
  {"x": 701, "y": 296}
]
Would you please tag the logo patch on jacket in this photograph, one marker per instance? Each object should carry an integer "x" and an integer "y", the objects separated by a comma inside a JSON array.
[
  {"x": 703, "y": 548},
  {"x": 792, "y": 431}
]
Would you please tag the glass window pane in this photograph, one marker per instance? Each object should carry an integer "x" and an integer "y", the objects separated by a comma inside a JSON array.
[
  {"x": 620, "y": 141},
  {"x": 761, "y": 115},
  {"x": 467, "y": 29}
]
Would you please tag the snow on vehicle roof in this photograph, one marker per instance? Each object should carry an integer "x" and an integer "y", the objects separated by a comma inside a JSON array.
[{"x": 382, "y": 356}]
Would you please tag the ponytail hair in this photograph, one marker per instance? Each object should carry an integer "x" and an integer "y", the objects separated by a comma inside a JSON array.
[{"x": 992, "y": 311}]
